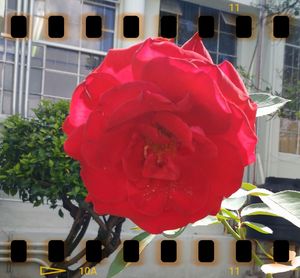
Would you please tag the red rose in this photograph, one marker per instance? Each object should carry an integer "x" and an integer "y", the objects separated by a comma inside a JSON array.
[{"x": 162, "y": 134}]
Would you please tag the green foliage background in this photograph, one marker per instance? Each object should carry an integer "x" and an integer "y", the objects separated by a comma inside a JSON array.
[{"x": 32, "y": 160}]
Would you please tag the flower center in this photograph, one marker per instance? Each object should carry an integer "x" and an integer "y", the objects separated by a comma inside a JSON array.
[{"x": 158, "y": 157}]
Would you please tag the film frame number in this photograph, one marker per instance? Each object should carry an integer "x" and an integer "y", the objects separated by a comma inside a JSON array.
[
  {"x": 234, "y": 7},
  {"x": 234, "y": 271},
  {"x": 88, "y": 271}
]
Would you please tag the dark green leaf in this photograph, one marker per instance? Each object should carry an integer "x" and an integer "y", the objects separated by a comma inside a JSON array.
[{"x": 118, "y": 263}]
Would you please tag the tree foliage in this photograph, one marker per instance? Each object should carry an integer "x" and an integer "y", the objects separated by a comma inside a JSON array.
[{"x": 32, "y": 160}]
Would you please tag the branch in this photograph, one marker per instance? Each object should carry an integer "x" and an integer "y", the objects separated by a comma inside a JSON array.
[{"x": 69, "y": 206}]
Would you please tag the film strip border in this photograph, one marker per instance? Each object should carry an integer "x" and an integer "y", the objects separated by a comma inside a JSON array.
[
  {"x": 168, "y": 251},
  {"x": 131, "y": 26}
]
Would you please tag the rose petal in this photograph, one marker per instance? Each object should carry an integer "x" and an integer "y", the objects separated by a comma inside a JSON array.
[
  {"x": 153, "y": 48},
  {"x": 203, "y": 97},
  {"x": 118, "y": 63},
  {"x": 151, "y": 203},
  {"x": 73, "y": 143},
  {"x": 226, "y": 171},
  {"x": 195, "y": 44},
  {"x": 99, "y": 183}
]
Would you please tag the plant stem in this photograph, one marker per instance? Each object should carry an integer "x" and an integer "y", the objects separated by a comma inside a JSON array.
[
  {"x": 241, "y": 236},
  {"x": 230, "y": 229}
]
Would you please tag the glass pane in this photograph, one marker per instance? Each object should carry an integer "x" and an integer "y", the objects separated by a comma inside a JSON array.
[
  {"x": 211, "y": 43},
  {"x": 88, "y": 62},
  {"x": 288, "y": 142},
  {"x": 288, "y": 135},
  {"x": 93, "y": 10},
  {"x": 33, "y": 102},
  {"x": 295, "y": 76},
  {"x": 81, "y": 78},
  {"x": 10, "y": 50},
  {"x": 59, "y": 84},
  {"x": 8, "y": 77},
  {"x": 231, "y": 59},
  {"x": 35, "y": 83},
  {"x": 7, "y": 103},
  {"x": 37, "y": 54},
  {"x": 214, "y": 57},
  {"x": 189, "y": 11},
  {"x": 186, "y": 30},
  {"x": 187, "y": 21},
  {"x": 288, "y": 56},
  {"x": 11, "y": 4},
  {"x": 227, "y": 44},
  {"x": 61, "y": 59},
  {"x": 109, "y": 19},
  {"x": 107, "y": 41},
  {"x": 294, "y": 37},
  {"x": 225, "y": 26},
  {"x": 287, "y": 75}
]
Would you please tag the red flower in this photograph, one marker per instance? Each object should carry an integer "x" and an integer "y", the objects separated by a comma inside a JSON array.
[{"x": 162, "y": 133}]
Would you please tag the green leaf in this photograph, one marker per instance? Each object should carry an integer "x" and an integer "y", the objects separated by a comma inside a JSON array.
[
  {"x": 233, "y": 203},
  {"x": 118, "y": 263},
  {"x": 267, "y": 103},
  {"x": 208, "y": 220},
  {"x": 286, "y": 204},
  {"x": 257, "y": 209},
  {"x": 173, "y": 233},
  {"x": 136, "y": 228},
  {"x": 254, "y": 192},
  {"x": 51, "y": 163},
  {"x": 230, "y": 214},
  {"x": 248, "y": 186},
  {"x": 259, "y": 227}
]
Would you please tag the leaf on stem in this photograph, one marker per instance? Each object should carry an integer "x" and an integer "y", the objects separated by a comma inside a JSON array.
[
  {"x": 173, "y": 233},
  {"x": 286, "y": 204},
  {"x": 252, "y": 192},
  {"x": 208, "y": 220},
  {"x": 257, "y": 209},
  {"x": 248, "y": 186},
  {"x": 274, "y": 268},
  {"x": 118, "y": 263},
  {"x": 233, "y": 203},
  {"x": 267, "y": 103},
  {"x": 231, "y": 214},
  {"x": 258, "y": 227}
]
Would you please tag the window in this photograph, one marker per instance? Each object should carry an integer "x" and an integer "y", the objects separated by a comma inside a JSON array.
[
  {"x": 7, "y": 50},
  {"x": 56, "y": 71},
  {"x": 290, "y": 116},
  {"x": 223, "y": 46},
  {"x": 59, "y": 65},
  {"x": 74, "y": 10}
]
